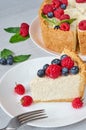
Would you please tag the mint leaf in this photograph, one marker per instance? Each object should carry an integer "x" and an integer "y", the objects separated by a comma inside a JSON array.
[
  {"x": 21, "y": 58},
  {"x": 17, "y": 38},
  {"x": 5, "y": 53},
  {"x": 12, "y": 29},
  {"x": 69, "y": 21},
  {"x": 54, "y": 22}
]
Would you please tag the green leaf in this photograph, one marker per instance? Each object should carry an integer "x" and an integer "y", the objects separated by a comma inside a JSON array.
[
  {"x": 69, "y": 21},
  {"x": 21, "y": 58},
  {"x": 17, "y": 38},
  {"x": 12, "y": 29},
  {"x": 54, "y": 22},
  {"x": 5, "y": 53}
]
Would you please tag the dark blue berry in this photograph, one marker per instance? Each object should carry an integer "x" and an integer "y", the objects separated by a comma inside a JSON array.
[
  {"x": 56, "y": 61},
  {"x": 74, "y": 70},
  {"x": 9, "y": 61},
  {"x": 63, "y": 6},
  {"x": 41, "y": 73},
  {"x": 3, "y": 61},
  {"x": 65, "y": 71},
  {"x": 10, "y": 56},
  {"x": 57, "y": 27},
  {"x": 45, "y": 66},
  {"x": 63, "y": 56},
  {"x": 50, "y": 15}
]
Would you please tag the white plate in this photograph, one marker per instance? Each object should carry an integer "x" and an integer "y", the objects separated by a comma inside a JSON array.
[
  {"x": 59, "y": 114},
  {"x": 35, "y": 35}
]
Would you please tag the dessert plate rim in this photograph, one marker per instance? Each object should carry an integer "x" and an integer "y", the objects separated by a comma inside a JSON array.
[{"x": 59, "y": 114}]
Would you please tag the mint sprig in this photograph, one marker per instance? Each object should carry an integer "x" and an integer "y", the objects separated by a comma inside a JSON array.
[
  {"x": 19, "y": 58},
  {"x": 17, "y": 38},
  {"x": 12, "y": 29},
  {"x": 54, "y": 22}
]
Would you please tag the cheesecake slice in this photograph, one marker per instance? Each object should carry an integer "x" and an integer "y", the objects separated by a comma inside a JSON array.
[{"x": 63, "y": 87}]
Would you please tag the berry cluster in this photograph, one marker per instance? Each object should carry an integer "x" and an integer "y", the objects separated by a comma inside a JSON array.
[
  {"x": 7, "y": 61},
  {"x": 82, "y": 25},
  {"x": 25, "y": 100},
  {"x": 24, "y": 29},
  {"x": 56, "y": 9},
  {"x": 63, "y": 66}
]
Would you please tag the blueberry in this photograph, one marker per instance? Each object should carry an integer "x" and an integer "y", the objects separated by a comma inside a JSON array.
[
  {"x": 57, "y": 27},
  {"x": 9, "y": 61},
  {"x": 45, "y": 66},
  {"x": 41, "y": 73},
  {"x": 56, "y": 61},
  {"x": 63, "y": 56},
  {"x": 63, "y": 6},
  {"x": 50, "y": 15},
  {"x": 74, "y": 70},
  {"x": 65, "y": 71},
  {"x": 10, "y": 56},
  {"x": 3, "y": 61}
]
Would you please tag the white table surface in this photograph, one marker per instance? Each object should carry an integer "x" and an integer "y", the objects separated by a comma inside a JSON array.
[{"x": 13, "y": 13}]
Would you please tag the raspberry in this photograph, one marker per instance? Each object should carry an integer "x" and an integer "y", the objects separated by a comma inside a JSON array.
[
  {"x": 19, "y": 89},
  {"x": 58, "y": 13},
  {"x": 56, "y": 3},
  {"x": 80, "y": 1},
  {"x": 64, "y": 2},
  {"x": 82, "y": 25},
  {"x": 77, "y": 103},
  {"x": 26, "y": 101},
  {"x": 53, "y": 71},
  {"x": 24, "y": 32},
  {"x": 64, "y": 16},
  {"x": 24, "y": 25},
  {"x": 65, "y": 27},
  {"x": 47, "y": 8},
  {"x": 67, "y": 62},
  {"x": 24, "y": 29}
]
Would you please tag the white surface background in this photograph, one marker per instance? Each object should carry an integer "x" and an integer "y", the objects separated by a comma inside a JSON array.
[{"x": 13, "y": 13}]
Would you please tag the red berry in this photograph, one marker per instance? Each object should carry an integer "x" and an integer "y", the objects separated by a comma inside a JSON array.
[
  {"x": 65, "y": 27},
  {"x": 56, "y": 3},
  {"x": 26, "y": 101},
  {"x": 82, "y": 25},
  {"x": 24, "y": 29},
  {"x": 58, "y": 13},
  {"x": 53, "y": 71},
  {"x": 24, "y": 32},
  {"x": 24, "y": 25},
  {"x": 47, "y": 8},
  {"x": 64, "y": 2},
  {"x": 64, "y": 16},
  {"x": 77, "y": 103},
  {"x": 19, "y": 89},
  {"x": 67, "y": 62},
  {"x": 80, "y": 1}
]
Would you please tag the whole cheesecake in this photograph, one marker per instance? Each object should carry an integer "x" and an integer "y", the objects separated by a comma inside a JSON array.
[
  {"x": 63, "y": 80},
  {"x": 59, "y": 20}
]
